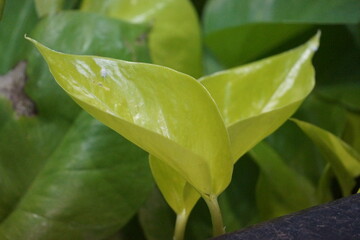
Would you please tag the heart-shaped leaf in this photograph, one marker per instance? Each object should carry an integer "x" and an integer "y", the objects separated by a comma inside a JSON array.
[
  {"x": 157, "y": 108},
  {"x": 175, "y": 36},
  {"x": 344, "y": 161},
  {"x": 257, "y": 98}
]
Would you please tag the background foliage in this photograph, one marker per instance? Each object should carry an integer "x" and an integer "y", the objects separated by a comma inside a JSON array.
[{"x": 65, "y": 175}]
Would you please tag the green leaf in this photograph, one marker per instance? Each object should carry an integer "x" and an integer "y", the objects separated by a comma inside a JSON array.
[
  {"x": 44, "y": 7},
  {"x": 251, "y": 111},
  {"x": 76, "y": 34},
  {"x": 351, "y": 133},
  {"x": 230, "y": 23},
  {"x": 280, "y": 189},
  {"x": 175, "y": 36},
  {"x": 345, "y": 95},
  {"x": 39, "y": 141},
  {"x": 324, "y": 189},
  {"x": 343, "y": 67},
  {"x": 156, "y": 218},
  {"x": 160, "y": 114},
  {"x": 181, "y": 196},
  {"x": 238, "y": 202},
  {"x": 2, "y": 4},
  {"x": 344, "y": 161},
  {"x": 19, "y": 17},
  {"x": 71, "y": 195}
]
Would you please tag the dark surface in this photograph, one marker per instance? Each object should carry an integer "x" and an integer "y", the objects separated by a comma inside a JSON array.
[{"x": 338, "y": 220}]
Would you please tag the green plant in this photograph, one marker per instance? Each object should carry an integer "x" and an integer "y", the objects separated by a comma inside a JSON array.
[
  {"x": 65, "y": 175},
  {"x": 160, "y": 109}
]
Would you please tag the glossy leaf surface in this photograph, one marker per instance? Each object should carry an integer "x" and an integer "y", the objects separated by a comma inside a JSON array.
[
  {"x": 76, "y": 34},
  {"x": 175, "y": 36},
  {"x": 35, "y": 141},
  {"x": 344, "y": 161},
  {"x": 179, "y": 194},
  {"x": 257, "y": 98},
  {"x": 267, "y": 25},
  {"x": 19, "y": 17},
  {"x": 155, "y": 107},
  {"x": 71, "y": 196},
  {"x": 280, "y": 190}
]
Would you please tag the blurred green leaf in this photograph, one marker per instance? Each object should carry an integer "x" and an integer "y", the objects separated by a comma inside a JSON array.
[
  {"x": 47, "y": 8},
  {"x": 355, "y": 30},
  {"x": 159, "y": 114},
  {"x": 337, "y": 61},
  {"x": 47, "y": 155},
  {"x": 175, "y": 36},
  {"x": 324, "y": 189},
  {"x": 19, "y": 17},
  {"x": 230, "y": 23},
  {"x": 2, "y": 4},
  {"x": 44, "y": 7},
  {"x": 84, "y": 189},
  {"x": 280, "y": 189},
  {"x": 292, "y": 145},
  {"x": 344, "y": 161},
  {"x": 251, "y": 111},
  {"x": 345, "y": 95},
  {"x": 325, "y": 114},
  {"x": 131, "y": 231},
  {"x": 351, "y": 133},
  {"x": 238, "y": 202},
  {"x": 156, "y": 218}
]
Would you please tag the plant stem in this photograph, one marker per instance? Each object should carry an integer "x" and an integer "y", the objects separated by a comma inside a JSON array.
[
  {"x": 180, "y": 225},
  {"x": 215, "y": 212}
]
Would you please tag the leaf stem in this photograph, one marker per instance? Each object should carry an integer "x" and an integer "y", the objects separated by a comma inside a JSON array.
[
  {"x": 215, "y": 212},
  {"x": 180, "y": 225}
]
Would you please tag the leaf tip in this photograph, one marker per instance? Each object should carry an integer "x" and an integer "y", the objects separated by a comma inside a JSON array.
[
  {"x": 314, "y": 42},
  {"x": 29, "y": 38}
]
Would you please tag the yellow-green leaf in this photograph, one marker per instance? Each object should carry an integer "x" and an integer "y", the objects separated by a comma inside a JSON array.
[
  {"x": 344, "y": 161},
  {"x": 175, "y": 37},
  {"x": 167, "y": 113},
  {"x": 178, "y": 193},
  {"x": 255, "y": 99}
]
